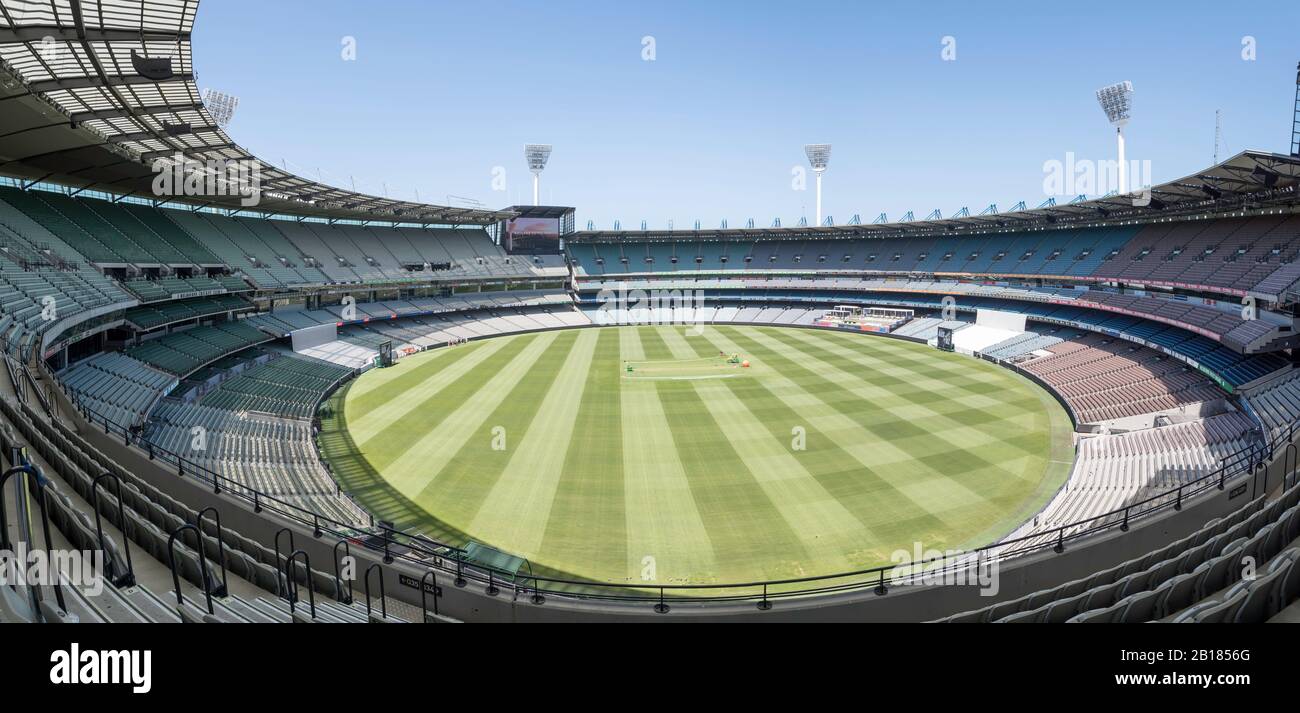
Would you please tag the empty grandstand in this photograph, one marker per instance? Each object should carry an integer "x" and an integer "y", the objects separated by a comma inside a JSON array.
[{"x": 342, "y": 407}]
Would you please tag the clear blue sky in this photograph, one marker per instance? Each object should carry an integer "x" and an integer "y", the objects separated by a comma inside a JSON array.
[{"x": 441, "y": 93}]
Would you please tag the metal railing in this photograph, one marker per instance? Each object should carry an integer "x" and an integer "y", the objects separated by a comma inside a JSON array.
[
  {"x": 204, "y": 576},
  {"x": 127, "y": 578},
  {"x": 41, "y": 485}
]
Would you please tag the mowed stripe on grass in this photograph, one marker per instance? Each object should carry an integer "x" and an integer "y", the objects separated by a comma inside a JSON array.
[
  {"x": 497, "y": 416},
  {"x": 827, "y": 531},
  {"x": 518, "y": 507},
  {"x": 607, "y": 478},
  {"x": 588, "y": 525},
  {"x": 941, "y": 412},
  {"x": 947, "y": 446},
  {"x": 666, "y": 527},
  {"x": 854, "y": 458},
  {"x": 418, "y": 391},
  {"x": 922, "y": 496},
  {"x": 746, "y": 528},
  {"x": 411, "y": 465}
]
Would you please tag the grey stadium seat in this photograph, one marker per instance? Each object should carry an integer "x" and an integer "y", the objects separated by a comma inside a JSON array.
[
  {"x": 1176, "y": 594},
  {"x": 1217, "y": 573},
  {"x": 1222, "y": 611},
  {"x": 1189, "y": 616},
  {"x": 1261, "y": 598},
  {"x": 1100, "y": 616}
]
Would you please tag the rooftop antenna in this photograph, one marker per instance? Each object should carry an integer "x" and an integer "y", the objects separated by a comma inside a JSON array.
[
  {"x": 1218, "y": 134},
  {"x": 461, "y": 201},
  {"x": 537, "y": 155},
  {"x": 818, "y": 156},
  {"x": 1117, "y": 101}
]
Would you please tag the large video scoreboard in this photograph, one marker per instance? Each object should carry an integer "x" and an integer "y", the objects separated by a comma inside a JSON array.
[{"x": 537, "y": 230}]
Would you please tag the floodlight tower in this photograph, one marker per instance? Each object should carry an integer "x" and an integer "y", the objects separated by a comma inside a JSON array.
[
  {"x": 1117, "y": 101},
  {"x": 818, "y": 156},
  {"x": 1295, "y": 118},
  {"x": 537, "y": 155}
]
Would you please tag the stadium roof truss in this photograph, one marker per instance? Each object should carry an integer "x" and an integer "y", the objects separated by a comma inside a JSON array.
[
  {"x": 1251, "y": 179},
  {"x": 93, "y": 92}
]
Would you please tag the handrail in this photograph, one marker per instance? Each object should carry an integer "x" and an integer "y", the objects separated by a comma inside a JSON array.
[
  {"x": 41, "y": 395},
  {"x": 424, "y": 595},
  {"x": 221, "y": 546},
  {"x": 293, "y": 581},
  {"x": 279, "y": 557},
  {"x": 383, "y": 598},
  {"x": 203, "y": 566},
  {"x": 42, "y": 501},
  {"x": 418, "y": 553},
  {"x": 15, "y": 375},
  {"x": 22, "y": 467},
  {"x": 338, "y": 578},
  {"x": 127, "y": 579}
]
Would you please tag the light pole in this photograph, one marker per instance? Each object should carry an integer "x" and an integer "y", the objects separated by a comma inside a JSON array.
[
  {"x": 1295, "y": 118},
  {"x": 1117, "y": 101},
  {"x": 818, "y": 156},
  {"x": 537, "y": 155}
]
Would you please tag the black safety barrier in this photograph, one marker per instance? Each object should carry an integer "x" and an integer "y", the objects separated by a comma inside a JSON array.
[
  {"x": 127, "y": 578},
  {"x": 429, "y": 580},
  {"x": 1289, "y": 463},
  {"x": 383, "y": 600},
  {"x": 341, "y": 593},
  {"x": 224, "y": 589},
  {"x": 203, "y": 567},
  {"x": 42, "y": 502},
  {"x": 279, "y": 560},
  {"x": 293, "y": 581}
]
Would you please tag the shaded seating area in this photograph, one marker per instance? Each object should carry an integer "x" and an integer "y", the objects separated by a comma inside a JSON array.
[{"x": 185, "y": 351}]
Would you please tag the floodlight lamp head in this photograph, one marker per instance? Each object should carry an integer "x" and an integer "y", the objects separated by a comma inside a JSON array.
[
  {"x": 221, "y": 106},
  {"x": 537, "y": 155},
  {"x": 818, "y": 155},
  {"x": 1117, "y": 101}
]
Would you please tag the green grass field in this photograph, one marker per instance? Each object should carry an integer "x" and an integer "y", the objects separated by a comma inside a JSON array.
[{"x": 830, "y": 453}]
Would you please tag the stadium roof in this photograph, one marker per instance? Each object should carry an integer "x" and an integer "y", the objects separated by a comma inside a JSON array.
[
  {"x": 541, "y": 211},
  {"x": 1251, "y": 179},
  {"x": 92, "y": 93}
]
